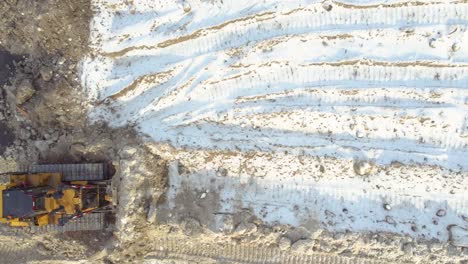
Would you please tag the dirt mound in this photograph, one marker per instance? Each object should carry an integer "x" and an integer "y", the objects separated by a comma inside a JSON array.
[{"x": 45, "y": 27}]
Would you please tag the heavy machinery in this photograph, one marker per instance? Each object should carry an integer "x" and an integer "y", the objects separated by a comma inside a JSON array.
[{"x": 61, "y": 197}]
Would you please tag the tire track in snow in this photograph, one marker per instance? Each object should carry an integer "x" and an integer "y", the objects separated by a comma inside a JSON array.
[
  {"x": 207, "y": 43},
  {"x": 371, "y": 76},
  {"x": 176, "y": 248},
  {"x": 349, "y": 49},
  {"x": 305, "y": 20},
  {"x": 347, "y": 204},
  {"x": 213, "y": 44},
  {"x": 265, "y": 82},
  {"x": 221, "y": 136},
  {"x": 278, "y": 77}
]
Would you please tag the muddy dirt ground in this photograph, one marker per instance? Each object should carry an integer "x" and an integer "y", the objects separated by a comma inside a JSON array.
[
  {"x": 43, "y": 120},
  {"x": 42, "y": 117}
]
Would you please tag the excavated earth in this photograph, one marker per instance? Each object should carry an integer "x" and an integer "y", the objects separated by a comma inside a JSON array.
[
  {"x": 169, "y": 192},
  {"x": 43, "y": 117}
]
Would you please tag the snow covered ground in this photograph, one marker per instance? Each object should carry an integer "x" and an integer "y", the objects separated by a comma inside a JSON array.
[{"x": 340, "y": 115}]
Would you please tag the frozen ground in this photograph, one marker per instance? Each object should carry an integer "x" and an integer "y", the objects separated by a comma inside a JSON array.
[
  {"x": 295, "y": 132},
  {"x": 344, "y": 116}
]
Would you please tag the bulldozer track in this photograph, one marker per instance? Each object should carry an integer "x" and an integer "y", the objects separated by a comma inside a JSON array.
[
  {"x": 19, "y": 253},
  {"x": 8, "y": 251},
  {"x": 74, "y": 172},
  {"x": 214, "y": 253},
  {"x": 95, "y": 221},
  {"x": 4, "y": 178}
]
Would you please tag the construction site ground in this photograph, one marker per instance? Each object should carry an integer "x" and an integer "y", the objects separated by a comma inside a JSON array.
[{"x": 221, "y": 132}]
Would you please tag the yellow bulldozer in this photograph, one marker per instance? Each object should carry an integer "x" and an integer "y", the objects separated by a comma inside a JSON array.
[{"x": 58, "y": 197}]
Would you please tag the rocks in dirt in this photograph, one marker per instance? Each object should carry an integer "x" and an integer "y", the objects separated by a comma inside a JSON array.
[
  {"x": 152, "y": 214},
  {"x": 24, "y": 92},
  {"x": 77, "y": 150},
  {"x": 244, "y": 228},
  {"x": 284, "y": 243},
  {"x": 41, "y": 145},
  {"x": 387, "y": 207},
  {"x": 47, "y": 28},
  {"x": 228, "y": 224},
  {"x": 60, "y": 60},
  {"x": 141, "y": 182},
  {"x": 46, "y": 73},
  {"x": 302, "y": 245},
  {"x": 360, "y": 134},
  {"x": 128, "y": 153},
  {"x": 441, "y": 213},
  {"x": 51, "y": 135},
  {"x": 29, "y": 133},
  {"x": 298, "y": 233},
  {"x": 186, "y": 6},
  {"x": 322, "y": 169},
  {"x": 222, "y": 172},
  {"x": 407, "y": 30},
  {"x": 396, "y": 164},
  {"x": 407, "y": 247},
  {"x": 191, "y": 226},
  {"x": 327, "y": 6},
  {"x": 362, "y": 167},
  {"x": 329, "y": 213},
  {"x": 181, "y": 169},
  {"x": 390, "y": 220},
  {"x": 458, "y": 236}
]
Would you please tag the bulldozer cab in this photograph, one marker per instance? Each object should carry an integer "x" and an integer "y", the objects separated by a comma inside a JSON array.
[
  {"x": 25, "y": 194},
  {"x": 18, "y": 203}
]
